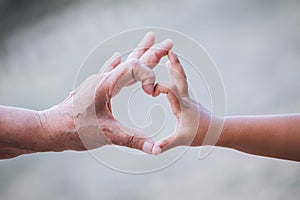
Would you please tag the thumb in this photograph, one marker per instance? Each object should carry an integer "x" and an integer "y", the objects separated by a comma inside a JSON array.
[
  {"x": 167, "y": 143},
  {"x": 132, "y": 138}
]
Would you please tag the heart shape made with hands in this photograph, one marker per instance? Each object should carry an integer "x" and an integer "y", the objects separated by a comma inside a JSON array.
[{"x": 92, "y": 111}]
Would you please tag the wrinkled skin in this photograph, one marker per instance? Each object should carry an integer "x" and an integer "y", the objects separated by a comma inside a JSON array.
[{"x": 88, "y": 110}]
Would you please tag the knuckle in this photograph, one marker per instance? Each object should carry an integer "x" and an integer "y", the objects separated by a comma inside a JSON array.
[
  {"x": 150, "y": 75},
  {"x": 134, "y": 62},
  {"x": 134, "y": 65},
  {"x": 153, "y": 58},
  {"x": 130, "y": 141}
]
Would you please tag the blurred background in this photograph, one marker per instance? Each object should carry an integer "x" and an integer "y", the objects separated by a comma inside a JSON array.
[{"x": 255, "y": 44}]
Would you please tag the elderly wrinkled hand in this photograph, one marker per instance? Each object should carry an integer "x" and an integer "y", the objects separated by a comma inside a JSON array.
[{"x": 88, "y": 108}]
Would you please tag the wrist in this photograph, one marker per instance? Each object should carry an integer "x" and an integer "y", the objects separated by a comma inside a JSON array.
[
  {"x": 227, "y": 136},
  {"x": 58, "y": 129},
  {"x": 211, "y": 129}
]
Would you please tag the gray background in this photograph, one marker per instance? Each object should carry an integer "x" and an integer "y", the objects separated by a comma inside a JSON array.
[{"x": 255, "y": 44}]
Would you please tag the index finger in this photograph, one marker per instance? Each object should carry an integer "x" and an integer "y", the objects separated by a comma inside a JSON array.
[
  {"x": 177, "y": 73},
  {"x": 132, "y": 70},
  {"x": 153, "y": 55},
  {"x": 143, "y": 46}
]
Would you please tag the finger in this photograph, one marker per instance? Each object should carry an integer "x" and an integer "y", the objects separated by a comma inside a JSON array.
[
  {"x": 177, "y": 73},
  {"x": 143, "y": 46},
  {"x": 132, "y": 70},
  {"x": 156, "y": 52},
  {"x": 132, "y": 138},
  {"x": 144, "y": 74},
  {"x": 171, "y": 91},
  {"x": 166, "y": 144},
  {"x": 111, "y": 63}
]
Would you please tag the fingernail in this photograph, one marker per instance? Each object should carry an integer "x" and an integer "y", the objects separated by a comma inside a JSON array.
[
  {"x": 147, "y": 147},
  {"x": 156, "y": 150}
]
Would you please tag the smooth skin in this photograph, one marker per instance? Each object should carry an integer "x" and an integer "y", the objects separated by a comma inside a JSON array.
[
  {"x": 276, "y": 136},
  {"x": 24, "y": 131}
]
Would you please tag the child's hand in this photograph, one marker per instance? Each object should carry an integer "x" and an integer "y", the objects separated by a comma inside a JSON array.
[{"x": 192, "y": 118}]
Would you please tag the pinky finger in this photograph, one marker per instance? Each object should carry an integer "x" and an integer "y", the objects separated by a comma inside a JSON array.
[{"x": 111, "y": 63}]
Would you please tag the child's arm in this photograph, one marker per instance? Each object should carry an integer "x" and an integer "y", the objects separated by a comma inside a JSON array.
[{"x": 273, "y": 136}]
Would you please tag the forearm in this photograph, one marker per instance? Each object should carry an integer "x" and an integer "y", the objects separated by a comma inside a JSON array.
[
  {"x": 272, "y": 136},
  {"x": 24, "y": 131},
  {"x": 20, "y": 131}
]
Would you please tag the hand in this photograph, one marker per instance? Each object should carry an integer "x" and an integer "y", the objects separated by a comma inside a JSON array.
[
  {"x": 88, "y": 108},
  {"x": 192, "y": 118}
]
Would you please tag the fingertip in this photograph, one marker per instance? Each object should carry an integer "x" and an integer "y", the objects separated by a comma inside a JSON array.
[
  {"x": 149, "y": 37},
  {"x": 156, "y": 150},
  {"x": 116, "y": 59},
  {"x": 170, "y": 42},
  {"x": 149, "y": 34},
  {"x": 116, "y": 54},
  {"x": 148, "y": 146},
  {"x": 167, "y": 44},
  {"x": 173, "y": 57},
  {"x": 161, "y": 146}
]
